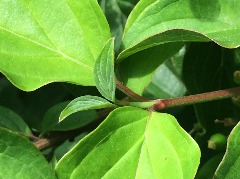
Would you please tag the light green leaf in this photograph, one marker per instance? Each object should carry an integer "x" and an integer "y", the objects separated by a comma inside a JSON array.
[
  {"x": 104, "y": 71},
  {"x": 45, "y": 41},
  {"x": 142, "y": 144},
  {"x": 140, "y": 67},
  {"x": 11, "y": 120},
  {"x": 154, "y": 22},
  {"x": 77, "y": 120},
  {"x": 19, "y": 158},
  {"x": 85, "y": 103},
  {"x": 229, "y": 167}
]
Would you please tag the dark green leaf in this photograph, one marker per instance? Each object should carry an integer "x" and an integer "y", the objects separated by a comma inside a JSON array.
[
  {"x": 229, "y": 167},
  {"x": 140, "y": 67},
  {"x": 104, "y": 71},
  {"x": 208, "y": 67},
  {"x": 85, "y": 103},
  {"x": 77, "y": 120},
  {"x": 142, "y": 144},
  {"x": 167, "y": 82},
  {"x": 208, "y": 169},
  {"x": 11, "y": 120},
  {"x": 19, "y": 158}
]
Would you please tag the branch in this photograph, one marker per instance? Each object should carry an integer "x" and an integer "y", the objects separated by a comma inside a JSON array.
[
  {"x": 198, "y": 98},
  {"x": 57, "y": 138}
]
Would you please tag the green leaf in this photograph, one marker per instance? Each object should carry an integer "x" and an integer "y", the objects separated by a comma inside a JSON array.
[
  {"x": 142, "y": 144},
  {"x": 229, "y": 167},
  {"x": 208, "y": 169},
  {"x": 77, "y": 120},
  {"x": 11, "y": 120},
  {"x": 85, "y": 103},
  {"x": 104, "y": 71},
  {"x": 50, "y": 41},
  {"x": 19, "y": 158},
  {"x": 141, "y": 66},
  {"x": 154, "y": 22},
  {"x": 167, "y": 80}
]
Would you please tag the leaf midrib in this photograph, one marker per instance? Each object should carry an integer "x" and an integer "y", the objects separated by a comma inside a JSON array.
[{"x": 57, "y": 51}]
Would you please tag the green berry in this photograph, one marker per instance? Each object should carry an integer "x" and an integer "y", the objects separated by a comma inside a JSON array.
[
  {"x": 217, "y": 141},
  {"x": 236, "y": 77}
]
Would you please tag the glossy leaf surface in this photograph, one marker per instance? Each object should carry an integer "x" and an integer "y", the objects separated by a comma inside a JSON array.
[
  {"x": 104, "y": 71},
  {"x": 155, "y": 22},
  {"x": 19, "y": 158},
  {"x": 142, "y": 144},
  {"x": 85, "y": 103},
  {"x": 44, "y": 41},
  {"x": 229, "y": 167}
]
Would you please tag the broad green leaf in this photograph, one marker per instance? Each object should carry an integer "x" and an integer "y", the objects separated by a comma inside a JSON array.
[
  {"x": 85, "y": 103},
  {"x": 44, "y": 41},
  {"x": 104, "y": 71},
  {"x": 19, "y": 158},
  {"x": 142, "y": 144},
  {"x": 229, "y": 167},
  {"x": 77, "y": 120},
  {"x": 11, "y": 120},
  {"x": 154, "y": 22},
  {"x": 140, "y": 67}
]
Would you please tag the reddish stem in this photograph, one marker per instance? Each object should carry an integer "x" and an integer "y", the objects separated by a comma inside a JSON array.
[{"x": 198, "y": 98}]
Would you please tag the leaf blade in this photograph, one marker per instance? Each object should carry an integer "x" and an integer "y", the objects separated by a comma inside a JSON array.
[
  {"x": 21, "y": 159},
  {"x": 229, "y": 166},
  {"x": 157, "y": 22},
  {"x": 36, "y": 33},
  {"x": 123, "y": 148},
  {"x": 85, "y": 103},
  {"x": 104, "y": 71}
]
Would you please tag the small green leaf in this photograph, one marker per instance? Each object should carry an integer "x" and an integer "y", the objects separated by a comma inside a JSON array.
[
  {"x": 19, "y": 158},
  {"x": 44, "y": 41},
  {"x": 104, "y": 71},
  {"x": 85, "y": 103},
  {"x": 77, "y": 120},
  {"x": 142, "y": 144},
  {"x": 229, "y": 167},
  {"x": 154, "y": 22},
  {"x": 11, "y": 120}
]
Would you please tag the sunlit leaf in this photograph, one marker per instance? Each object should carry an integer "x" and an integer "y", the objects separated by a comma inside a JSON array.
[
  {"x": 142, "y": 144},
  {"x": 85, "y": 103},
  {"x": 44, "y": 41},
  {"x": 229, "y": 167},
  {"x": 154, "y": 22},
  {"x": 104, "y": 71}
]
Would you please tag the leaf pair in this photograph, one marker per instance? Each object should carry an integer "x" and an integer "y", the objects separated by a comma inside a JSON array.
[{"x": 105, "y": 82}]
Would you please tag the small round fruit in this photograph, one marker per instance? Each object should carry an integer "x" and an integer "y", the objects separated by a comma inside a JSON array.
[{"x": 217, "y": 141}]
